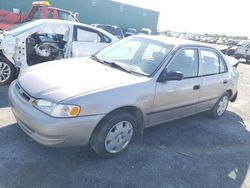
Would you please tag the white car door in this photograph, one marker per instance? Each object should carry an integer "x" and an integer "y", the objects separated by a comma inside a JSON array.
[{"x": 87, "y": 41}]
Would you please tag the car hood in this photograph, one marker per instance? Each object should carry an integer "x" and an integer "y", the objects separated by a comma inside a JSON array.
[{"x": 63, "y": 79}]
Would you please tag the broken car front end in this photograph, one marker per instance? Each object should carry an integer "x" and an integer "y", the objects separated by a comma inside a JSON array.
[{"x": 8, "y": 68}]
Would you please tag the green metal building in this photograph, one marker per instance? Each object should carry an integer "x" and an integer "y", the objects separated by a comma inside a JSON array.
[{"x": 98, "y": 11}]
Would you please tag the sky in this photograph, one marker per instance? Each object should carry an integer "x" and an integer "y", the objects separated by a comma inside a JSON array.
[{"x": 229, "y": 17}]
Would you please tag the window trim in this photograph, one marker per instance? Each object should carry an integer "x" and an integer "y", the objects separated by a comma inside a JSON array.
[
  {"x": 224, "y": 64},
  {"x": 219, "y": 58},
  {"x": 186, "y": 48}
]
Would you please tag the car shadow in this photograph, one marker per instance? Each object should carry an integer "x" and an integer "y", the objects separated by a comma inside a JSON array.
[{"x": 190, "y": 152}]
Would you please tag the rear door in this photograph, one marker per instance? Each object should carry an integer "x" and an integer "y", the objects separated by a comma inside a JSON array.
[
  {"x": 87, "y": 41},
  {"x": 214, "y": 75},
  {"x": 176, "y": 99}
]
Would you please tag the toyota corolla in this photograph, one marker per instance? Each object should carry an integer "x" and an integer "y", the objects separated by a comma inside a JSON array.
[{"x": 108, "y": 99}]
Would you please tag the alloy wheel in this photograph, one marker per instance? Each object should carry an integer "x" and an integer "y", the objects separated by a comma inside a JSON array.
[
  {"x": 222, "y": 105},
  {"x": 5, "y": 72}
]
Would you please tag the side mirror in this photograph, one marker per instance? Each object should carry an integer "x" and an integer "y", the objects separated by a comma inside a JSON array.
[{"x": 165, "y": 76}]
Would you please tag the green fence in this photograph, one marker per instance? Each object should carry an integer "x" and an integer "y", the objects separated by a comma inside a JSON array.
[{"x": 98, "y": 11}]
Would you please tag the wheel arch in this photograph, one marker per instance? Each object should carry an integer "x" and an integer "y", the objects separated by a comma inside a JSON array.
[
  {"x": 232, "y": 97},
  {"x": 229, "y": 91},
  {"x": 135, "y": 112},
  {"x": 1, "y": 54}
]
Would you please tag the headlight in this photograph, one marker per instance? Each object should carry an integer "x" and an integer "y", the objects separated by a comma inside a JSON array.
[{"x": 57, "y": 110}]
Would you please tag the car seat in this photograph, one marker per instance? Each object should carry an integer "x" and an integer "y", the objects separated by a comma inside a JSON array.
[{"x": 150, "y": 66}]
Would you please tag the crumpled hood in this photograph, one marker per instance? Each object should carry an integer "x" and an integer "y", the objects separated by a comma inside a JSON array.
[
  {"x": 8, "y": 44},
  {"x": 62, "y": 79}
]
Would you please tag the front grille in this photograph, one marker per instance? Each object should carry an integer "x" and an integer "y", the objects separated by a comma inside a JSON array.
[{"x": 22, "y": 93}]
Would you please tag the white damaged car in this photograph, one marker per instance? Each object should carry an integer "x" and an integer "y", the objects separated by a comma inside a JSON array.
[{"x": 46, "y": 40}]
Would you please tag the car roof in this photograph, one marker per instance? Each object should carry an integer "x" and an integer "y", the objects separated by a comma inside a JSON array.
[
  {"x": 62, "y": 22},
  {"x": 175, "y": 41},
  {"x": 67, "y": 22}
]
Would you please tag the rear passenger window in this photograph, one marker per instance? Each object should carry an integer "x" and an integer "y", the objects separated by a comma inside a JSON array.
[
  {"x": 186, "y": 61},
  {"x": 87, "y": 36},
  {"x": 209, "y": 63}
]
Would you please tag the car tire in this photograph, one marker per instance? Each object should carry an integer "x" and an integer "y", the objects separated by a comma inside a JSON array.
[
  {"x": 113, "y": 135},
  {"x": 220, "y": 107},
  {"x": 7, "y": 71}
]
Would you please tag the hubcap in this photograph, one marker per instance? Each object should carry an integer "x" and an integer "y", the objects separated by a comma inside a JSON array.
[
  {"x": 118, "y": 137},
  {"x": 222, "y": 106},
  {"x": 5, "y": 72}
]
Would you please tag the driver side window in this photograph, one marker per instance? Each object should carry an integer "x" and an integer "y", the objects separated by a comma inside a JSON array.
[{"x": 186, "y": 62}]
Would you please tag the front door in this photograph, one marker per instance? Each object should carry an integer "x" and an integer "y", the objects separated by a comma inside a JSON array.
[{"x": 176, "y": 99}]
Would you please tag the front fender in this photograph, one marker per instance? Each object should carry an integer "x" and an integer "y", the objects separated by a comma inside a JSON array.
[{"x": 8, "y": 47}]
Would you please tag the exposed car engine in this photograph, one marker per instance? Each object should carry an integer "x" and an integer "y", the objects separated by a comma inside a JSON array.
[{"x": 44, "y": 47}]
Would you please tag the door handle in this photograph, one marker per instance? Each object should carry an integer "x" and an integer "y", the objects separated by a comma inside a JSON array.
[
  {"x": 196, "y": 87},
  {"x": 225, "y": 82}
]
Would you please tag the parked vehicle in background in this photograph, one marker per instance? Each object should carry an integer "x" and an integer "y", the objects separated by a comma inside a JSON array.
[
  {"x": 45, "y": 40},
  {"x": 113, "y": 29},
  {"x": 130, "y": 31},
  {"x": 243, "y": 43},
  {"x": 243, "y": 52},
  {"x": 230, "y": 51},
  {"x": 40, "y": 10},
  {"x": 88, "y": 101},
  {"x": 146, "y": 31}
]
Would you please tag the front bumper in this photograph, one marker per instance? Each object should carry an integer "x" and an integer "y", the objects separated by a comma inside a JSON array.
[{"x": 47, "y": 130}]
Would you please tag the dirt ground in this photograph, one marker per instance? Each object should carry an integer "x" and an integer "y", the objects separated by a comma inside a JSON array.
[{"x": 190, "y": 152}]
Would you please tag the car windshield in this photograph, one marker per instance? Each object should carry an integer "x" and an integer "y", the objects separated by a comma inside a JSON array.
[
  {"x": 138, "y": 55},
  {"x": 23, "y": 27}
]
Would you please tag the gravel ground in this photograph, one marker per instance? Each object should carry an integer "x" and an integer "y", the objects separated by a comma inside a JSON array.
[{"x": 191, "y": 152}]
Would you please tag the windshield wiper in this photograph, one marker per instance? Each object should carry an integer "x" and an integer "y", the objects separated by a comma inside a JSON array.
[
  {"x": 97, "y": 59},
  {"x": 115, "y": 65},
  {"x": 112, "y": 64}
]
